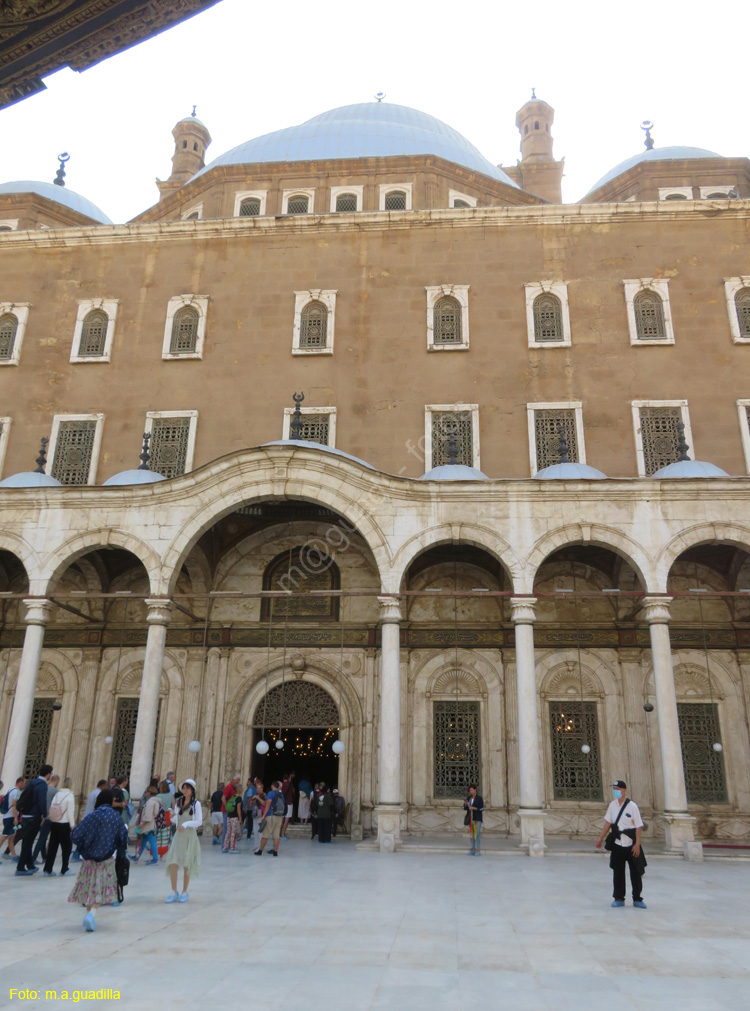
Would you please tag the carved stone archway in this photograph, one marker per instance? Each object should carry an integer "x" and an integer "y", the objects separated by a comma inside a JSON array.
[{"x": 297, "y": 704}]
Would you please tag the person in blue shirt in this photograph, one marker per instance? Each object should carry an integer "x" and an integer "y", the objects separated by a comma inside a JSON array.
[
  {"x": 247, "y": 806},
  {"x": 32, "y": 818},
  {"x": 98, "y": 837}
]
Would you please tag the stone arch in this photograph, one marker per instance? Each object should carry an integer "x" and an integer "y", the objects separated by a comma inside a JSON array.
[
  {"x": 701, "y": 533},
  {"x": 57, "y": 673},
  {"x": 456, "y": 681},
  {"x": 57, "y": 561},
  {"x": 454, "y": 533},
  {"x": 594, "y": 534},
  {"x": 565, "y": 680},
  {"x": 297, "y": 703},
  {"x": 691, "y": 681},
  {"x": 25, "y": 554}
]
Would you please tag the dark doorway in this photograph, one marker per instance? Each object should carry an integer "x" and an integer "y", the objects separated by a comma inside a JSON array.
[{"x": 307, "y": 752}]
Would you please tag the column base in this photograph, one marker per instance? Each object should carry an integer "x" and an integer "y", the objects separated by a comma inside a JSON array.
[
  {"x": 679, "y": 829},
  {"x": 389, "y": 827},
  {"x": 532, "y": 832},
  {"x": 356, "y": 833}
]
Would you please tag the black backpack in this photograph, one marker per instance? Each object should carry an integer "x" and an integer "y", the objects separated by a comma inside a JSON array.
[
  {"x": 25, "y": 802},
  {"x": 279, "y": 805}
]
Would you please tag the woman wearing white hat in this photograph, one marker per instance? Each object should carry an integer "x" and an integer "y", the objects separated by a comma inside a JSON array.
[{"x": 185, "y": 850}]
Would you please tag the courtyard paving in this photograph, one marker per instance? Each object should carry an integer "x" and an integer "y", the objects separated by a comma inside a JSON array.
[{"x": 334, "y": 928}]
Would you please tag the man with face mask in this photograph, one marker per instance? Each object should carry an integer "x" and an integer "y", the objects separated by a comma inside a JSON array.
[{"x": 625, "y": 816}]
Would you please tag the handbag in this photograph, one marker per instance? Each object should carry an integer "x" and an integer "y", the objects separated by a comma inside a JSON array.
[
  {"x": 614, "y": 832},
  {"x": 467, "y": 819},
  {"x": 122, "y": 873}
]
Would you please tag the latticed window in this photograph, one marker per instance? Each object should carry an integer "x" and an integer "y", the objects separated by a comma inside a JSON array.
[
  {"x": 185, "y": 331},
  {"x": 741, "y": 303},
  {"x": 169, "y": 445},
  {"x": 461, "y": 203},
  {"x": 298, "y": 204},
  {"x": 346, "y": 202},
  {"x": 395, "y": 200},
  {"x": 250, "y": 207},
  {"x": 301, "y": 570},
  {"x": 548, "y": 325},
  {"x": 649, "y": 316},
  {"x": 443, "y": 424},
  {"x": 447, "y": 321},
  {"x": 316, "y": 428},
  {"x": 704, "y": 768},
  {"x": 8, "y": 330},
  {"x": 73, "y": 451},
  {"x": 659, "y": 436},
  {"x": 313, "y": 329},
  {"x": 93, "y": 334},
  {"x": 126, "y": 718},
  {"x": 456, "y": 743},
  {"x": 39, "y": 735},
  {"x": 547, "y": 436},
  {"x": 575, "y": 775},
  {"x": 297, "y": 704}
]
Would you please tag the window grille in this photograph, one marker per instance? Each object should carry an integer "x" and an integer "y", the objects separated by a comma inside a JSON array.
[
  {"x": 169, "y": 445},
  {"x": 5, "y": 228},
  {"x": 297, "y": 704},
  {"x": 456, "y": 743},
  {"x": 93, "y": 334},
  {"x": 250, "y": 207},
  {"x": 461, "y": 203},
  {"x": 185, "y": 331},
  {"x": 447, "y": 321},
  {"x": 548, "y": 324},
  {"x": 346, "y": 202},
  {"x": 575, "y": 776},
  {"x": 298, "y": 205},
  {"x": 126, "y": 718},
  {"x": 443, "y": 422},
  {"x": 39, "y": 735},
  {"x": 395, "y": 200},
  {"x": 316, "y": 428},
  {"x": 675, "y": 196},
  {"x": 313, "y": 331},
  {"x": 717, "y": 196},
  {"x": 300, "y": 570},
  {"x": 73, "y": 450},
  {"x": 741, "y": 304},
  {"x": 649, "y": 316},
  {"x": 704, "y": 768},
  {"x": 547, "y": 436},
  {"x": 659, "y": 436},
  {"x": 8, "y": 330}
]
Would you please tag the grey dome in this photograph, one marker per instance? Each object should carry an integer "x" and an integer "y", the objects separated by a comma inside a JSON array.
[
  {"x": 60, "y": 195},
  {"x": 130, "y": 477},
  {"x": 304, "y": 444},
  {"x": 367, "y": 130},
  {"x": 655, "y": 154},
  {"x": 454, "y": 472},
  {"x": 689, "y": 468},
  {"x": 30, "y": 479},
  {"x": 569, "y": 472}
]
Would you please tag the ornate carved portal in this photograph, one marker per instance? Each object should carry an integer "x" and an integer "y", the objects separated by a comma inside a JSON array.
[{"x": 297, "y": 704}]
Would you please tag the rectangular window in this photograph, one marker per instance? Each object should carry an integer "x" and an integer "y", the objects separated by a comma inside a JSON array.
[
  {"x": 450, "y": 429},
  {"x": 170, "y": 438},
  {"x": 659, "y": 436},
  {"x": 318, "y": 425},
  {"x": 456, "y": 741},
  {"x": 547, "y": 427},
  {"x": 575, "y": 775},
  {"x": 123, "y": 738},
  {"x": 704, "y": 768},
  {"x": 75, "y": 445},
  {"x": 39, "y": 737}
]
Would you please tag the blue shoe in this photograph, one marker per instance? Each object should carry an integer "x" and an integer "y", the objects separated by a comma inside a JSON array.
[
  {"x": 640, "y": 904},
  {"x": 470, "y": 853},
  {"x": 216, "y": 841},
  {"x": 617, "y": 903},
  {"x": 174, "y": 897},
  {"x": 49, "y": 874},
  {"x": 150, "y": 863},
  {"x": 115, "y": 903},
  {"x": 184, "y": 897},
  {"x": 23, "y": 873},
  {"x": 89, "y": 923}
]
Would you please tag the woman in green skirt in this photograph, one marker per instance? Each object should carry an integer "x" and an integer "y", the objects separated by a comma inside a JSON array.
[{"x": 185, "y": 850}]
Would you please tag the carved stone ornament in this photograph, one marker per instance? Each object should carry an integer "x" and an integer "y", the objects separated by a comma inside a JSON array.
[{"x": 522, "y": 610}]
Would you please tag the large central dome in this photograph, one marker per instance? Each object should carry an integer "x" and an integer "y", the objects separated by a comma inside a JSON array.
[{"x": 369, "y": 130}]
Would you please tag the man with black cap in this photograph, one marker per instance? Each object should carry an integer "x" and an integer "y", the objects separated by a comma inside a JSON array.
[{"x": 623, "y": 815}]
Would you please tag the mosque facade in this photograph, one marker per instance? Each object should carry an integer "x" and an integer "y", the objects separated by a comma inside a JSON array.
[{"x": 365, "y": 457}]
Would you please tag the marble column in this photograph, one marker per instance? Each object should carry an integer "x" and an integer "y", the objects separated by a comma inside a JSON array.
[
  {"x": 159, "y": 613},
  {"x": 37, "y": 617},
  {"x": 678, "y": 823},
  {"x": 389, "y": 745},
  {"x": 531, "y": 811}
]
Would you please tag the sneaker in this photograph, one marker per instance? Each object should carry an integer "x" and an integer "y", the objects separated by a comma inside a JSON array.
[
  {"x": 184, "y": 897},
  {"x": 617, "y": 903},
  {"x": 640, "y": 904},
  {"x": 274, "y": 853},
  {"x": 49, "y": 874},
  {"x": 174, "y": 897},
  {"x": 470, "y": 853},
  {"x": 150, "y": 863},
  {"x": 89, "y": 923},
  {"x": 259, "y": 853}
]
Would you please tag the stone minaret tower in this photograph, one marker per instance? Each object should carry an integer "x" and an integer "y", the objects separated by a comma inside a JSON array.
[
  {"x": 538, "y": 172},
  {"x": 191, "y": 138}
]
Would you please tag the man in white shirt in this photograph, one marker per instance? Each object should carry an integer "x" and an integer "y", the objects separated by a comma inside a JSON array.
[{"x": 627, "y": 844}]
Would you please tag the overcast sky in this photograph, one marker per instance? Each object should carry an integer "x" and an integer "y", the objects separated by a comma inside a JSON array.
[{"x": 252, "y": 68}]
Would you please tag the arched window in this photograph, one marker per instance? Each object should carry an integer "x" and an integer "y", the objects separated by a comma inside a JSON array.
[
  {"x": 250, "y": 207},
  {"x": 301, "y": 570},
  {"x": 313, "y": 326},
  {"x": 298, "y": 204},
  {"x": 717, "y": 196},
  {"x": 649, "y": 316},
  {"x": 461, "y": 203},
  {"x": 5, "y": 228},
  {"x": 741, "y": 303},
  {"x": 346, "y": 202},
  {"x": 548, "y": 318},
  {"x": 93, "y": 334},
  {"x": 8, "y": 330},
  {"x": 184, "y": 331},
  {"x": 447, "y": 321},
  {"x": 675, "y": 196},
  {"x": 195, "y": 216},
  {"x": 395, "y": 200}
]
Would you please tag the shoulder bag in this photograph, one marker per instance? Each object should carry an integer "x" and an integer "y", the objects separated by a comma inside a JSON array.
[{"x": 614, "y": 832}]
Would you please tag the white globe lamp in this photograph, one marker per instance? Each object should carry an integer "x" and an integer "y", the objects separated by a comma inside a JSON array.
[
  {"x": 262, "y": 747},
  {"x": 108, "y": 739},
  {"x": 717, "y": 747},
  {"x": 194, "y": 747},
  {"x": 279, "y": 745},
  {"x": 338, "y": 747},
  {"x": 585, "y": 749}
]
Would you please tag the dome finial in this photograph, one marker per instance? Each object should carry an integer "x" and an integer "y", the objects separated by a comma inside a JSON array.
[
  {"x": 379, "y": 96},
  {"x": 41, "y": 460},
  {"x": 563, "y": 450},
  {"x": 295, "y": 428},
  {"x": 193, "y": 113},
  {"x": 648, "y": 126},
  {"x": 682, "y": 446},
  {"x": 59, "y": 179},
  {"x": 145, "y": 455},
  {"x": 533, "y": 94}
]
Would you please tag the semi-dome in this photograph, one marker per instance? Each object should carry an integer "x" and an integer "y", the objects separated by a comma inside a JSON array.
[
  {"x": 675, "y": 153},
  {"x": 136, "y": 476},
  {"x": 454, "y": 472},
  {"x": 569, "y": 472},
  {"x": 60, "y": 195},
  {"x": 305, "y": 444},
  {"x": 366, "y": 130},
  {"x": 30, "y": 479},
  {"x": 689, "y": 468}
]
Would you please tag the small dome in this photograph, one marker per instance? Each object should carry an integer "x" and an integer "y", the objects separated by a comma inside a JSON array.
[
  {"x": 30, "y": 479},
  {"x": 304, "y": 444},
  {"x": 676, "y": 153},
  {"x": 60, "y": 195},
  {"x": 454, "y": 472},
  {"x": 130, "y": 477},
  {"x": 689, "y": 468},
  {"x": 569, "y": 472}
]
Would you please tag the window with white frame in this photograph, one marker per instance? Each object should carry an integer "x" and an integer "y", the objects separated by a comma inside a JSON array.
[
  {"x": 448, "y": 427},
  {"x": 74, "y": 446},
  {"x": 346, "y": 199},
  {"x": 545, "y": 422},
  {"x": 298, "y": 201},
  {"x": 675, "y": 193},
  {"x": 5, "y": 424},
  {"x": 547, "y": 314},
  {"x": 656, "y": 433},
  {"x": 743, "y": 409},
  {"x": 314, "y": 318},
  {"x": 193, "y": 213},
  {"x": 250, "y": 203},
  {"x": 94, "y": 330},
  {"x": 185, "y": 327},
  {"x": 456, "y": 199},
  {"x": 649, "y": 315},
  {"x": 737, "y": 292},
  {"x": 13, "y": 317},
  {"x": 172, "y": 441},
  {"x": 318, "y": 425},
  {"x": 8, "y": 224},
  {"x": 447, "y": 317},
  {"x": 716, "y": 192},
  {"x": 395, "y": 197}
]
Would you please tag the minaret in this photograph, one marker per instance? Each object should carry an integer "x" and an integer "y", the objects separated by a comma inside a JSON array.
[
  {"x": 191, "y": 138},
  {"x": 539, "y": 172}
]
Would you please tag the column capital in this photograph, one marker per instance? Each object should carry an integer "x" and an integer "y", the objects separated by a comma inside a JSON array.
[
  {"x": 37, "y": 611},
  {"x": 159, "y": 611},
  {"x": 390, "y": 610},
  {"x": 657, "y": 610},
  {"x": 522, "y": 610}
]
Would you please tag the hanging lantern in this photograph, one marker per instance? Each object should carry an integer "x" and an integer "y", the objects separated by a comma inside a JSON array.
[
  {"x": 338, "y": 747},
  {"x": 648, "y": 707},
  {"x": 717, "y": 747},
  {"x": 262, "y": 747},
  {"x": 57, "y": 705},
  {"x": 194, "y": 747},
  {"x": 108, "y": 739},
  {"x": 585, "y": 749},
  {"x": 279, "y": 745}
]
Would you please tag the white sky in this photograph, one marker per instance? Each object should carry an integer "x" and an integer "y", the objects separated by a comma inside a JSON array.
[{"x": 252, "y": 68}]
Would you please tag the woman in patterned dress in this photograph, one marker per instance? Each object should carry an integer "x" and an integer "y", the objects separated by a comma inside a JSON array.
[
  {"x": 185, "y": 850},
  {"x": 98, "y": 837}
]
